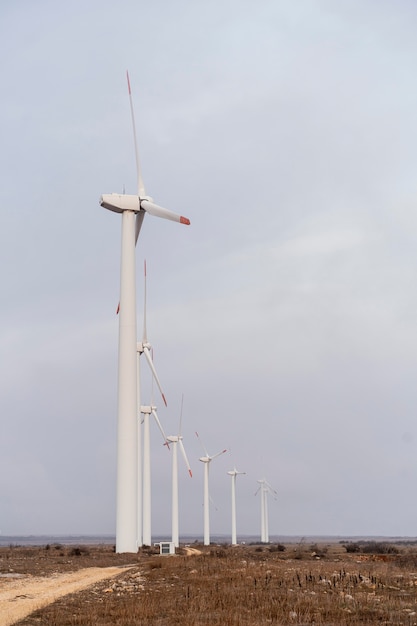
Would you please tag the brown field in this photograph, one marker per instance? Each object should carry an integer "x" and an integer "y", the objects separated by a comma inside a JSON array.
[{"x": 244, "y": 585}]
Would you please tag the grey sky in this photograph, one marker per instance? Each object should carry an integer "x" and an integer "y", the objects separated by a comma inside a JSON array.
[{"x": 286, "y": 313}]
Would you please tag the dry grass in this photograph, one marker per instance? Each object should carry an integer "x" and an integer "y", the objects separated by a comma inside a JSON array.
[
  {"x": 242, "y": 586},
  {"x": 46, "y": 560}
]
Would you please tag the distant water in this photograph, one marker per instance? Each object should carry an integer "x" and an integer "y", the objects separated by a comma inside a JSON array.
[{"x": 43, "y": 540}]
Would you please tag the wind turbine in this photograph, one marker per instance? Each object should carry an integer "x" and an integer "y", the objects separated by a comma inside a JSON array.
[
  {"x": 176, "y": 441},
  {"x": 265, "y": 488},
  {"x": 233, "y": 473},
  {"x": 133, "y": 209},
  {"x": 207, "y": 459},
  {"x": 147, "y": 411},
  {"x": 144, "y": 487}
]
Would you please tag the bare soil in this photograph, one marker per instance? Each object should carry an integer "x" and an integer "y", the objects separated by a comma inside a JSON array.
[
  {"x": 32, "y": 577},
  {"x": 21, "y": 596}
]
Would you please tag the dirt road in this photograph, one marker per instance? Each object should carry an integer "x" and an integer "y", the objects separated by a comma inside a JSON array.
[
  {"x": 191, "y": 551},
  {"x": 20, "y": 597}
]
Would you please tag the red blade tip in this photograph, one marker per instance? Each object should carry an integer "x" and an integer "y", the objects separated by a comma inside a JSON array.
[
  {"x": 184, "y": 220},
  {"x": 190, "y": 472},
  {"x": 164, "y": 399},
  {"x": 128, "y": 82},
  {"x": 118, "y": 309}
]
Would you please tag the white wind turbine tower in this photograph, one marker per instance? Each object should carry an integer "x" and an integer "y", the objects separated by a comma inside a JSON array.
[
  {"x": 144, "y": 472},
  {"x": 133, "y": 209},
  {"x": 207, "y": 459},
  {"x": 176, "y": 441},
  {"x": 233, "y": 473},
  {"x": 264, "y": 488}
]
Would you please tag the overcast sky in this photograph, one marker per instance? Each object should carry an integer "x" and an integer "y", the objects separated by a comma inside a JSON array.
[{"x": 286, "y": 313}]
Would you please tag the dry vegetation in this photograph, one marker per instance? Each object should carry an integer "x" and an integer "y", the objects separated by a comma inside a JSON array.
[{"x": 245, "y": 585}]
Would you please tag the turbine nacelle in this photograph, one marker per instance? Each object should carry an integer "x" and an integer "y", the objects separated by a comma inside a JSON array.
[
  {"x": 234, "y": 472},
  {"x": 174, "y": 438},
  {"x": 141, "y": 346},
  {"x": 118, "y": 202},
  {"x": 147, "y": 409}
]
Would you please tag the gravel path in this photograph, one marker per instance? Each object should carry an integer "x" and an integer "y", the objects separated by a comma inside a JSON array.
[{"x": 21, "y": 596}]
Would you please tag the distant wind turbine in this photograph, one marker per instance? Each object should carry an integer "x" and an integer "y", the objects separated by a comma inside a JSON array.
[
  {"x": 176, "y": 440},
  {"x": 265, "y": 489},
  {"x": 207, "y": 459},
  {"x": 233, "y": 473},
  {"x": 147, "y": 411},
  {"x": 133, "y": 209},
  {"x": 143, "y": 466}
]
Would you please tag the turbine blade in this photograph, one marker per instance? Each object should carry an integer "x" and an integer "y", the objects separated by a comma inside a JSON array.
[
  {"x": 184, "y": 456},
  {"x": 141, "y": 187},
  {"x": 159, "y": 425},
  {"x": 144, "y": 337},
  {"x": 182, "y": 405},
  {"x": 202, "y": 444},
  {"x": 270, "y": 488},
  {"x": 155, "y": 375},
  {"x": 158, "y": 211},
  {"x": 213, "y": 503},
  {"x": 138, "y": 224},
  {"x": 218, "y": 454}
]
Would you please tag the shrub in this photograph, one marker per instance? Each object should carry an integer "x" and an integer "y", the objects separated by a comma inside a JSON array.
[
  {"x": 277, "y": 547},
  {"x": 79, "y": 551},
  {"x": 379, "y": 547},
  {"x": 371, "y": 547},
  {"x": 351, "y": 547}
]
